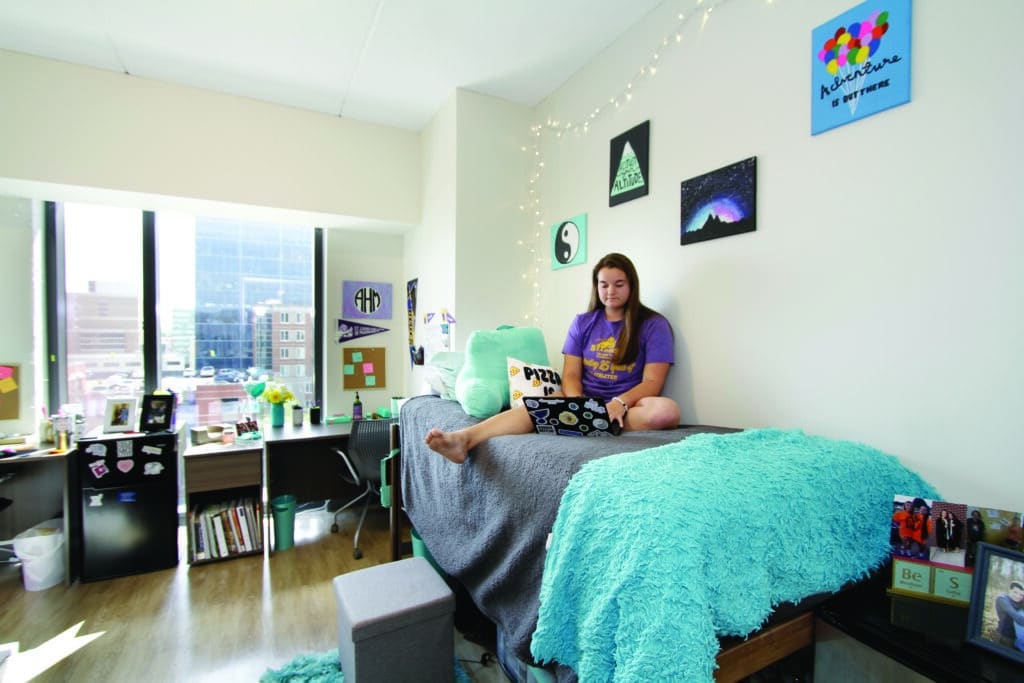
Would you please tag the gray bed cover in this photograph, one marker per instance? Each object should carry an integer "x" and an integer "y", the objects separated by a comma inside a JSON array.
[{"x": 486, "y": 521}]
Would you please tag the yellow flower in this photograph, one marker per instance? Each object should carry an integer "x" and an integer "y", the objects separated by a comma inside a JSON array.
[{"x": 277, "y": 393}]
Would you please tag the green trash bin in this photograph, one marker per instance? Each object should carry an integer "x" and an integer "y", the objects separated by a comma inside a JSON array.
[
  {"x": 283, "y": 509},
  {"x": 419, "y": 549}
]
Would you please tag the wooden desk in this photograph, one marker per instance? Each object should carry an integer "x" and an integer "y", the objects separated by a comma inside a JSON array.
[
  {"x": 216, "y": 474},
  {"x": 300, "y": 461},
  {"x": 287, "y": 460}
]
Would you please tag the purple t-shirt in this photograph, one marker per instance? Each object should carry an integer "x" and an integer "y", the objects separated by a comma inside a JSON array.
[{"x": 593, "y": 338}]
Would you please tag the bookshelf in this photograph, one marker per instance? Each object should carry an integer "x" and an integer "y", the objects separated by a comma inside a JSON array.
[{"x": 223, "y": 503}]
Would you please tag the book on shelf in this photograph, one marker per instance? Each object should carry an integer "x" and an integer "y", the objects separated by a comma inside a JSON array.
[
  {"x": 208, "y": 534},
  {"x": 198, "y": 541},
  {"x": 222, "y": 541},
  {"x": 243, "y": 525},
  {"x": 256, "y": 522},
  {"x": 225, "y": 528}
]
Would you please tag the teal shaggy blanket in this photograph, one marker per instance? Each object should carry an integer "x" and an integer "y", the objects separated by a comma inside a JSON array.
[{"x": 655, "y": 553}]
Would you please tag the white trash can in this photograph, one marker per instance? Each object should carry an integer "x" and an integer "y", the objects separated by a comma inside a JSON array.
[{"x": 41, "y": 551}]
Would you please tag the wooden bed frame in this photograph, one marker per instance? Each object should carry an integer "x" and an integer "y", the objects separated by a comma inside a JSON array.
[{"x": 736, "y": 660}]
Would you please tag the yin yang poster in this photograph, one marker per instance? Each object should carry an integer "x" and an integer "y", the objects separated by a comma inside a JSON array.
[{"x": 569, "y": 242}]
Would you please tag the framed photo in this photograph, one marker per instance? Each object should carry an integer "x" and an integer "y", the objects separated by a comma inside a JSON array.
[
  {"x": 996, "y": 618},
  {"x": 157, "y": 413},
  {"x": 119, "y": 415}
]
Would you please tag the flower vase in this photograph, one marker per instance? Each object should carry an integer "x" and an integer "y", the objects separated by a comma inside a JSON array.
[{"x": 277, "y": 415}]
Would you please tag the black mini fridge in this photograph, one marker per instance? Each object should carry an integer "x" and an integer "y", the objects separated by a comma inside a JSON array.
[{"x": 128, "y": 510}]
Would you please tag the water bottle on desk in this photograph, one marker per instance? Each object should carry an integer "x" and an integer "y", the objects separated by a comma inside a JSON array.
[{"x": 357, "y": 408}]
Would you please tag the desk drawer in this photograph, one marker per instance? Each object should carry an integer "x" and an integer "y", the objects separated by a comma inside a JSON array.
[{"x": 222, "y": 471}]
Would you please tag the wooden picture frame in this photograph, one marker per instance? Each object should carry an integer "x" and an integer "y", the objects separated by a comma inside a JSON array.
[
  {"x": 157, "y": 413},
  {"x": 997, "y": 599},
  {"x": 119, "y": 415}
]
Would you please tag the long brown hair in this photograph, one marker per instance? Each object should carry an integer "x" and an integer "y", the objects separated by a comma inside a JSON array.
[{"x": 636, "y": 313}]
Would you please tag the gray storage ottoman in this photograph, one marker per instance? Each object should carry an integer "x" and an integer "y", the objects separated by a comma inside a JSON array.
[{"x": 395, "y": 623}]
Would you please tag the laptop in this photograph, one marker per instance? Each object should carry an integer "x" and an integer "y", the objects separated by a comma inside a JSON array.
[{"x": 570, "y": 416}]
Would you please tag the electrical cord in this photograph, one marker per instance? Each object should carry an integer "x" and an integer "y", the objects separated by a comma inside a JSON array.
[{"x": 486, "y": 659}]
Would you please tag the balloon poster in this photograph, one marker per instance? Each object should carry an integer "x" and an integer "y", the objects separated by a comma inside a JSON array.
[
  {"x": 860, "y": 63},
  {"x": 569, "y": 242}
]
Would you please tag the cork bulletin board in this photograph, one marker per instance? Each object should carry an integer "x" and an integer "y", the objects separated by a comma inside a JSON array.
[
  {"x": 363, "y": 368},
  {"x": 10, "y": 396}
]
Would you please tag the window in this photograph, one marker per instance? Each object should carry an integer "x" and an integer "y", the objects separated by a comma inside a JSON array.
[
  {"x": 103, "y": 307},
  {"x": 223, "y": 288}
]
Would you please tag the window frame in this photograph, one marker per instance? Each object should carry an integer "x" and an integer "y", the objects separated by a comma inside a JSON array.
[{"x": 56, "y": 305}]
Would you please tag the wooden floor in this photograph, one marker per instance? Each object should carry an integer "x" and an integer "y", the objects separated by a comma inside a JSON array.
[{"x": 228, "y": 620}]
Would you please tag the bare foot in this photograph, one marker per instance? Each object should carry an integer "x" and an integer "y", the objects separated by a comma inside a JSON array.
[{"x": 451, "y": 445}]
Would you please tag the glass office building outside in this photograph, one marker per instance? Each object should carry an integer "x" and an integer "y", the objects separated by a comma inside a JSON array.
[{"x": 254, "y": 302}]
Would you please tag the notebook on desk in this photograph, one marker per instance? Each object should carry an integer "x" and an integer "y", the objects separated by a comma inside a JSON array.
[{"x": 570, "y": 416}]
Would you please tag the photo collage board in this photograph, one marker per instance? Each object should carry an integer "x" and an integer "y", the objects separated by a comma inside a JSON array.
[{"x": 935, "y": 545}]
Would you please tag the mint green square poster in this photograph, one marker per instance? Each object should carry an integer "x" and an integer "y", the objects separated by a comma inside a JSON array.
[{"x": 569, "y": 242}]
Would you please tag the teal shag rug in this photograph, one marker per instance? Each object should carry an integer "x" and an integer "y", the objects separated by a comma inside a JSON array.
[{"x": 324, "y": 668}]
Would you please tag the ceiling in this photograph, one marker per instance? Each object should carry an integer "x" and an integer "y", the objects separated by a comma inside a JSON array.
[{"x": 393, "y": 62}]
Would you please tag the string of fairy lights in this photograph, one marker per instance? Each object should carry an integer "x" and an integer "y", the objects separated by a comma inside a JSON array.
[{"x": 535, "y": 242}]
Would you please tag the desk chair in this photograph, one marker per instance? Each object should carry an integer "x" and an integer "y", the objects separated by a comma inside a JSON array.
[{"x": 368, "y": 444}]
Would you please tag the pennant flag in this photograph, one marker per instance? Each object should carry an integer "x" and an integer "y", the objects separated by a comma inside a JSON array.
[{"x": 349, "y": 330}]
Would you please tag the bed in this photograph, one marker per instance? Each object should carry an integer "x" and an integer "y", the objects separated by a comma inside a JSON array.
[{"x": 632, "y": 586}]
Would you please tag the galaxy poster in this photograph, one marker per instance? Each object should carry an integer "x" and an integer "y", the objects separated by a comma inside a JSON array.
[
  {"x": 860, "y": 63},
  {"x": 719, "y": 203}
]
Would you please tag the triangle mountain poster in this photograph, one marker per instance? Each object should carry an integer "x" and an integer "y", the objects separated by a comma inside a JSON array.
[{"x": 629, "y": 167}]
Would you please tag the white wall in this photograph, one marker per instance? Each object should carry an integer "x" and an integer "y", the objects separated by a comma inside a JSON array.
[
  {"x": 880, "y": 299},
  {"x": 473, "y": 167},
  {"x": 69, "y": 125},
  {"x": 430, "y": 247},
  {"x": 79, "y": 134},
  {"x": 490, "y": 170},
  {"x": 354, "y": 255}
]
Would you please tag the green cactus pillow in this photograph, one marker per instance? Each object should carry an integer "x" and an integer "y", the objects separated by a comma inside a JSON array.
[{"x": 482, "y": 385}]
